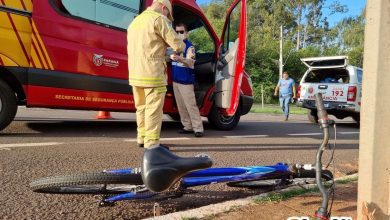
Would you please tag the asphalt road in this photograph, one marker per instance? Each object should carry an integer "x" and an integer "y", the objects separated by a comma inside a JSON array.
[{"x": 45, "y": 142}]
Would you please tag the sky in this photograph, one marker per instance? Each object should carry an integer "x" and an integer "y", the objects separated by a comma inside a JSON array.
[{"x": 354, "y": 8}]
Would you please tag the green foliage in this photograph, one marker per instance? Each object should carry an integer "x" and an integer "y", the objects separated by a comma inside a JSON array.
[
  {"x": 269, "y": 89},
  {"x": 278, "y": 197},
  {"x": 275, "y": 109},
  {"x": 202, "y": 41},
  {"x": 347, "y": 180},
  {"x": 189, "y": 218}
]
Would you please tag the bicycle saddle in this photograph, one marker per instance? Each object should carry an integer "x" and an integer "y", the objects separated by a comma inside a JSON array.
[{"x": 161, "y": 168}]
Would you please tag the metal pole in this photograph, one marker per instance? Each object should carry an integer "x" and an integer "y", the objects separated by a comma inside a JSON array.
[
  {"x": 374, "y": 148},
  {"x": 281, "y": 53},
  {"x": 262, "y": 97}
]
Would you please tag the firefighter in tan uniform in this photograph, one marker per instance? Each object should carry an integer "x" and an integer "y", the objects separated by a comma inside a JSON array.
[{"x": 148, "y": 37}]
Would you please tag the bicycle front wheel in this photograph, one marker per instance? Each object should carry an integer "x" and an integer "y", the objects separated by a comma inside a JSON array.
[{"x": 88, "y": 183}]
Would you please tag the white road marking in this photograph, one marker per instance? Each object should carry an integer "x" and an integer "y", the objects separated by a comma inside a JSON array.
[
  {"x": 161, "y": 139},
  {"x": 30, "y": 144},
  {"x": 200, "y": 148},
  {"x": 175, "y": 139},
  {"x": 349, "y": 132},
  {"x": 305, "y": 134},
  {"x": 315, "y": 134},
  {"x": 89, "y": 142},
  {"x": 42, "y": 144},
  {"x": 9, "y": 146},
  {"x": 247, "y": 136}
]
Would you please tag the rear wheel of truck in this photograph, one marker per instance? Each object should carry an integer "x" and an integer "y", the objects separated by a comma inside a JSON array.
[
  {"x": 174, "y": 117},
  {"x": 356, "y": 118},
  {"x": 8, "y": 105},
  {"x": 223, "y": 122},
  {"x": 312, "y": 116}
]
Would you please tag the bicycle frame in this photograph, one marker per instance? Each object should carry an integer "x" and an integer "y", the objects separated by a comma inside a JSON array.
[{"x": 210, "y": 176}]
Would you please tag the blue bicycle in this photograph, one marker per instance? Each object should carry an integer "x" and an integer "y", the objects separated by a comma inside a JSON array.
[
  {"x": 127, "y": 184},
  {"x": 166, "y": 175}
]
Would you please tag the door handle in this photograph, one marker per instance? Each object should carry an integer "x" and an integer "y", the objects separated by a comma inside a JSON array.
[{"x": 323, "y": 86}]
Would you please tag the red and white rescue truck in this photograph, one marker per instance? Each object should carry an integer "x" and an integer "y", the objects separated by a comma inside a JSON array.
[{"x": 340, "y": 84}]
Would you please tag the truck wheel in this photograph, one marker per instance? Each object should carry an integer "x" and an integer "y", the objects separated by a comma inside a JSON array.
[
  {"x": 356, "y": 118},
  {"x": 174, "y": 117},
  {"x": 8, "y": 105},
  {"x": 222, "y": 122},
  {"x": 312, "y": 116},
  {"x": 340, "y": 116}
]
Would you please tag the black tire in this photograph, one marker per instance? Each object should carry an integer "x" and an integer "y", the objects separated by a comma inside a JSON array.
[
  {"x": 174, "y": 117},
  {"x": 356, "y": 118},
  {"x": 340, "y": 116},
  {"x": 283, "y": 180},
  {"x": 221, "y": 122},
  {"x": 326, "y": 174},
  {"x": 8, "y": 105},
  {"x": 312, "y": 116},
  {"x": 87, "y": 183}
]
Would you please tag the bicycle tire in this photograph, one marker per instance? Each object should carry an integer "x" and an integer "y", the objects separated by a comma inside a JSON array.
[
  {"x": 270, "y": 182},
  {"x": 326, "y": 174},
  {"x": 87, "y": 183}
]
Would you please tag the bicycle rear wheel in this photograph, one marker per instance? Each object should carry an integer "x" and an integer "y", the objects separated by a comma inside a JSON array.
[
  {"x": 284, "y": 180},
  {"x": 88, "y": 183}
]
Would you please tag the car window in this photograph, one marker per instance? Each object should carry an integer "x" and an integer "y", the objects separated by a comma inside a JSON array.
[
  {"x": 116, "y": 13},
  {"x": 202, "y": 40},
  {"x": 327, "y": 76},
  {"x": 359, "y": 75},
  {"x": 84, "y": 9},
  {"x": 231, "y": 33}
]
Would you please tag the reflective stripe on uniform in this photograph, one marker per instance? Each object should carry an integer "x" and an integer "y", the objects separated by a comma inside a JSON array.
[
  {"x": 161, "y": 89},
  {"x": 141, "y": 132},
  {"x": 147, "y": 80},
  {"x": 152, "y": 137}
]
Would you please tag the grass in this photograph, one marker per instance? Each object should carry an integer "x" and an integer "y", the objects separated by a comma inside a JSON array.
[
  {"x": 275, "y": 109},
  {"x": 281, "y": 196},
  {"x": 347, "y": 180},
  {"x": 231, "y": 209}
]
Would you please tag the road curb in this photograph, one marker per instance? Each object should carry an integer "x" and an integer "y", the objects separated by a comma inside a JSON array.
[{"x": 230, "y": 205}]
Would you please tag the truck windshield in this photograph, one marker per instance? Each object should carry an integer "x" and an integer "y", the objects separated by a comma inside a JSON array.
[
  {"x": 328, "y": 76},
  {"x": 118, "y": 13}
]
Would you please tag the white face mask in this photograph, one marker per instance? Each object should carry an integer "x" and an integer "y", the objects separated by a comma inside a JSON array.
[{"x": 181, "y": 36}]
